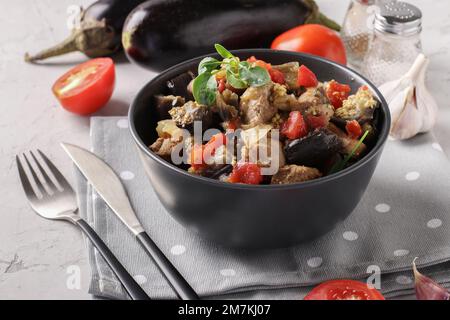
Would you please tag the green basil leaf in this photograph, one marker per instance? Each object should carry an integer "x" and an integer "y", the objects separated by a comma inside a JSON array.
[
  {"x": 254, "y": 76},
  {"x": 224, "y": 53},
  {"x": 204, "y": 89},
  {"x": 235, "y": 81},
  {"x": 208, "y": 64}
]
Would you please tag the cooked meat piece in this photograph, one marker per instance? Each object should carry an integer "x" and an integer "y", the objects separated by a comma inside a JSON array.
[
  {"x": 225, "y": 106},
  {"x": 359, "y": 106},
  {"x": 290, "y": 72},
  {"x": 190, "y": 112},
  {"x": 314, "y": 150},
  {"x": 295, "y": 174},
  {"x": 163, "y": 146},
  {"x": 165, "y": 103},
  {"x": 313, "y": 97},
  {"x": 282, "y": 100},
  {"x": 256, "y": 107},
  {"x": 347, "y": 143},
  {"x": 314, "y": 102}
]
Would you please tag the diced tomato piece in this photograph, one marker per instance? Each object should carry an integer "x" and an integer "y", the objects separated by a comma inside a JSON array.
[
  {"x": 221, "y": 85},
  {"x": 364, "y": 88},
  {"x": 277, "y": 76},
  {"x": 317, "y": 121},
  {"x": 197, "y": 160},
  {"x": 353, "y": 129},
  {"x": 260, "y": 63},
  {"x": 233, "y": 124},
  {"x": 306, "y": 78},
  {"x": 337, "y": 93},
  {"x": 295, "y": 126},
  {"x": 248, "y": 173},
  {"x": 214, "y": 143}
]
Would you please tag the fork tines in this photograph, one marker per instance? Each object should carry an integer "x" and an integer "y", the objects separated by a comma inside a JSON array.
[{"x": 39, "y": 176}]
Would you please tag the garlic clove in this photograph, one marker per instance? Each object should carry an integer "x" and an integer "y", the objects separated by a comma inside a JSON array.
[
  {"x": 426, "y": 104},
  {"x": 413, "y": 109}
]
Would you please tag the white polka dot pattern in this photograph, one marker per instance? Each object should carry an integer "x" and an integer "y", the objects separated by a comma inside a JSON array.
[
  {"x": 127, "y": 175},
  {"x": 178, "y": 249},
  {"x": 403, "y": 280},
  {"x": 350, "y": 235},
  {"x": 383, "y": 208},
  {"x": 434, "y": 223},
  {"x": 401, "y": 252},
  {"x": 122, "y": 123},
  {"x": 228, "y": 272},
  {"x": 314, "y": 262},
  {"x": 412, "y": 176},
  {"x": 140, "y": 279}
]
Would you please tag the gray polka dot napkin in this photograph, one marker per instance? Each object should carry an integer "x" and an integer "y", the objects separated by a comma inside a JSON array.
[{"x": 405, "y": 213}]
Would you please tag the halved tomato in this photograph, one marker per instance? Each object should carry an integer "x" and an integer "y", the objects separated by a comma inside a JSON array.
[
  {"x": 87, "y": 87},
  {"x": 344, "y": 290}
]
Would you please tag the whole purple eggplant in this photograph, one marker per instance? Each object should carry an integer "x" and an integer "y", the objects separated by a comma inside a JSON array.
[
  {"x": 99, "y": 31},
  {"x": 160, "y": 33}
]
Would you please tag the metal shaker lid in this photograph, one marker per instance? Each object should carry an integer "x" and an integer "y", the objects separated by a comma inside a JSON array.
[{"x": 400, "y": 18}]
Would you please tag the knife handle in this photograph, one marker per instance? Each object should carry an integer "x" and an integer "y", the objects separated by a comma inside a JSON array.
[
  {"x": 130, "y": 285},
  {"x": 183, "y": 290}
]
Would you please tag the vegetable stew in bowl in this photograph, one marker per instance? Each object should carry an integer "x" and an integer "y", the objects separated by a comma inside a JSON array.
[{"x": 252, "y": 122}]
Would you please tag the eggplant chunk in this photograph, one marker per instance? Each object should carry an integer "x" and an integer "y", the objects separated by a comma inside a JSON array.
[
  {"x": 290, "y": 72},
  {"x": 161, "y": 33},
  {"x": 191, "y": 112},
  {"x": 178, "y": 86},
  {"x": 166, "y": 103},
  {"x": 313, "y": 150}
]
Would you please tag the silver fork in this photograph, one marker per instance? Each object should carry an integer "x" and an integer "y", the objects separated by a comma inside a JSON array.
[{"x": 52, "y": 197}]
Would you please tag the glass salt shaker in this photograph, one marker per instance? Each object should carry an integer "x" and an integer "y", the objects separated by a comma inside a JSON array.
[
  {"x": 396, "y": 42},
  {"x": 356, "y": 32}
]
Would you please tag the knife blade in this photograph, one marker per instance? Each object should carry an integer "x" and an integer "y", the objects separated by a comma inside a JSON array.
[{"x": 110, "y": 188}]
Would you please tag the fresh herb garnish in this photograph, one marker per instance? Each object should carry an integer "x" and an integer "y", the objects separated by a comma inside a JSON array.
[
  {"x": 339, "y": 165},
  {"x": 239, "y": 74}
]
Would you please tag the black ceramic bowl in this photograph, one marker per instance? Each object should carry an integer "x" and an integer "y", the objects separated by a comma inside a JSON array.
[{"x": 267, "y": 216}]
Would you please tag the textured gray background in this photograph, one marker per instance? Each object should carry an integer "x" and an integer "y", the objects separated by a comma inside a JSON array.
[{"x": 35, "y": 254}]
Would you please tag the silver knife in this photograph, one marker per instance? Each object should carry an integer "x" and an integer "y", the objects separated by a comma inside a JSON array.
[{"x": 108, "y": 185}]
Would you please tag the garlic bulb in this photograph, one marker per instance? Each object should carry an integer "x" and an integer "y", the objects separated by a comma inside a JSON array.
[{"x": 413, "y": 108}]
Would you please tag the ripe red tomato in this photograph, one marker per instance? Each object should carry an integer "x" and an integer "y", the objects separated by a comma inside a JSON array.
[
  {"x": 87, "y": 87},
  {"x": 353, "y": 129},
  {"x": 344, "y": 290},
  {"x": 313, "y": 39},
  {"x": 306, "y": 78},
  {"x": 337, "y": 93},
  {"x": 294, "y": 127},
  {"x": 248, "y": 173}
]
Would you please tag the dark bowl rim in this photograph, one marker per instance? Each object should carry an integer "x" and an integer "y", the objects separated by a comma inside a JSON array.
[{"x": 382, "y": 138}]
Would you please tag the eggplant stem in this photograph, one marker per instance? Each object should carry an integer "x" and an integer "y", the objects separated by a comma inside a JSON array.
[
  {"x": 67, "y": 46},
  {"x": 316, "y": 16},
  {"x": 93, "y": 38}
]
